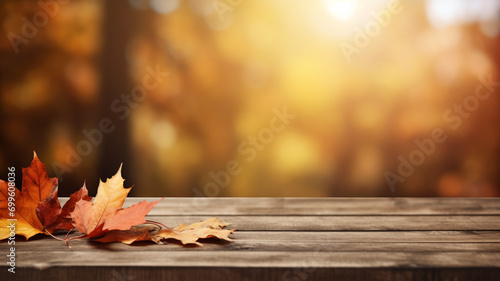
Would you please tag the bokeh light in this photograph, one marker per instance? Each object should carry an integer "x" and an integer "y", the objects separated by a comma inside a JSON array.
[{"x": 368, "y": 82}]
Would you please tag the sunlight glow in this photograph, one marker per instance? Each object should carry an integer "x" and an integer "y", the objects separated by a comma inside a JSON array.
[
  {"x": 341, "y": 9},
  {"x": 443, "y": 13}
]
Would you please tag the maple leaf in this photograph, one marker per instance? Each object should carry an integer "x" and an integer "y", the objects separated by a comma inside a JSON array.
[
  {"x": 37, "y": 210},
  {"x": 106, "y": 214},
  {"x": 189, "y": 234},
  {"x": 134, "y": 234},
  {"x": 53, "y": 217},
  {"x": 205, "y": 229},
  {"x": 37, "y": 207},
  {"x": 36, "y": 187}
]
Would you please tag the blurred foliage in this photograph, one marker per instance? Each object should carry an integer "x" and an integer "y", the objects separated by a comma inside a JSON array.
[
  {"x": 49, "y": 88},
  {"x": 229, "y": 69}
]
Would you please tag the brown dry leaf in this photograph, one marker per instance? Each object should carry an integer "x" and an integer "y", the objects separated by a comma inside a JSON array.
[
  {"x": 206, "y": 229},
  {"x": 135, "y": 233},
  {"x": 186, "y": 234}
]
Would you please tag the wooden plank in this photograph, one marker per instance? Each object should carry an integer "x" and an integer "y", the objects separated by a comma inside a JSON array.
[
  {"x": 362, "y": 223},
  {"x": 215, "y": 206},
  {"x": 374, "y": 236},
  {"x": 284, "y": 238},
  {"x": 262, "y": 274},
  {"x": 344, "y": 237},
  {"x": 294, "y": 239},
  {"x": 252, "y": 242},
  {"x": 43, "y": 260}
]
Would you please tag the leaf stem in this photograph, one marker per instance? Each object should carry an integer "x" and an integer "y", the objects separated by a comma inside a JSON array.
[
  {"x": 158, "y": 224},
  {"x": 57, "y": 238},
  {"x": 66, "y": 237},
  {"x": 66, "y": 240}
]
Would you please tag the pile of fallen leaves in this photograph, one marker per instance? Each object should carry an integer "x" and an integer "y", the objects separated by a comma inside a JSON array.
[{"x": 37, "y": 211}]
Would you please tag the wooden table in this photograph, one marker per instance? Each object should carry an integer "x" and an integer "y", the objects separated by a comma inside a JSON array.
[{"x": 291, "y": 239}]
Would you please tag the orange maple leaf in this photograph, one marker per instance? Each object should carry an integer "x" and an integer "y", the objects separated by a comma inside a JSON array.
[
  {"x": 37, "y": 208},
  {"x": 53, "y": 217},
  {"x": 106, "y": 214}
]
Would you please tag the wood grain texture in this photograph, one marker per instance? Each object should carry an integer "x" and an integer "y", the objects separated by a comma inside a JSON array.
[
  {"x": 255, "y": 243},
  {"x": 321, "y": 206},
  {"x": 292, "y": 239},
  {"x": 259, "y": 259},
  {"x": 330, "y": 223}
]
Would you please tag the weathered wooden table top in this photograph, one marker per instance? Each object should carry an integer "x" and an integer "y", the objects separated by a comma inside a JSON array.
[{"x": 290, "y": 239}]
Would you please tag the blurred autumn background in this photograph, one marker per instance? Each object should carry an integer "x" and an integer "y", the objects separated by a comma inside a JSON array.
[{"x": 365, "y": 81}]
